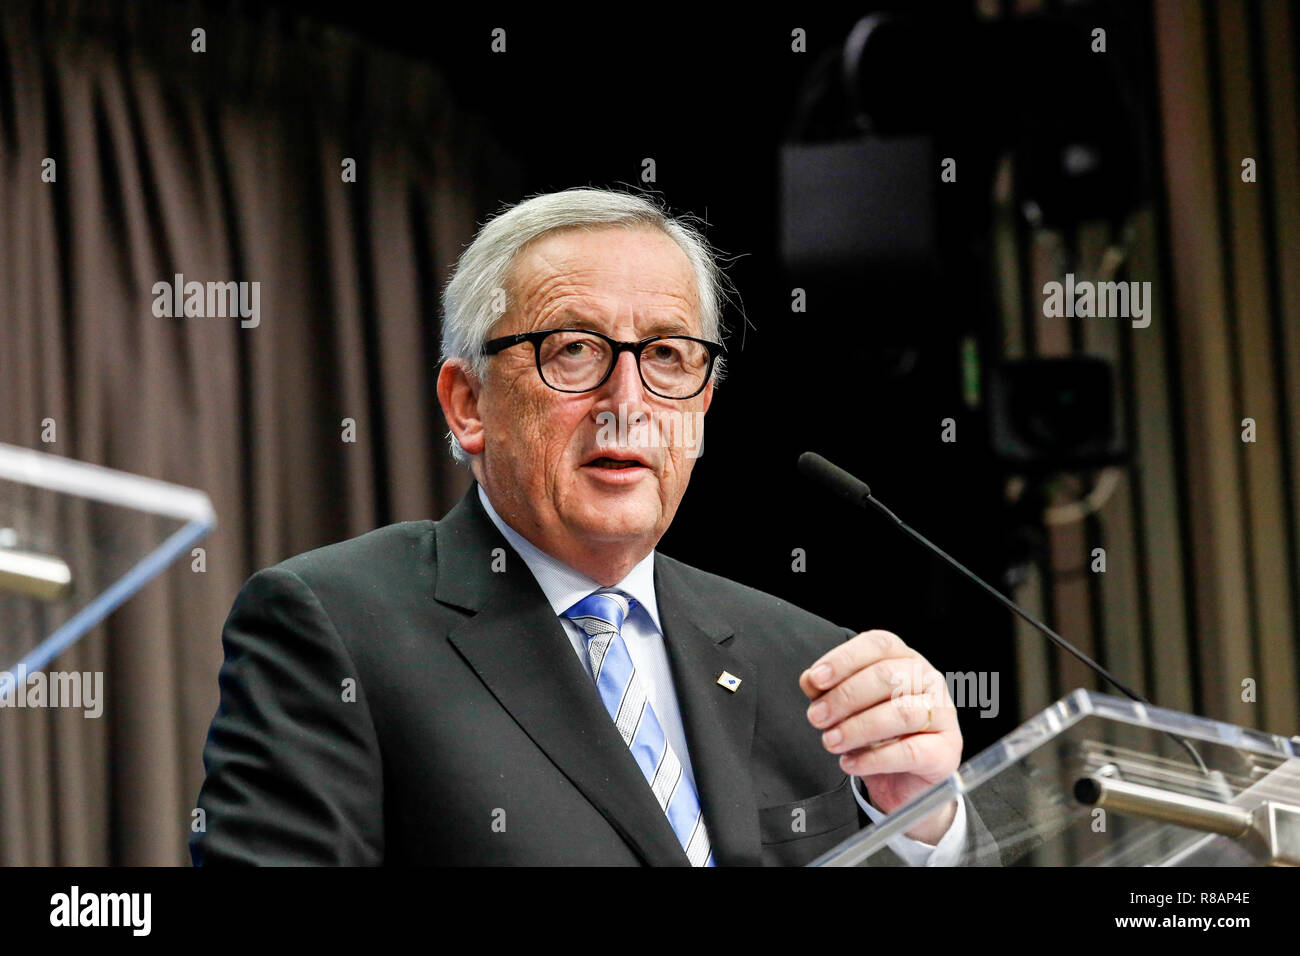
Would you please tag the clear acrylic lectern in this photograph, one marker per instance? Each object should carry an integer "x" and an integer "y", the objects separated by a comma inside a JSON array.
[
  {"x": 76, "y": 540},
  {"x": 1096, "y": 780}
]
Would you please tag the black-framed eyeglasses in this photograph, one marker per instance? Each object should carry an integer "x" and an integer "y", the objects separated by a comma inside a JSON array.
[{"x": 581, "y": 360}]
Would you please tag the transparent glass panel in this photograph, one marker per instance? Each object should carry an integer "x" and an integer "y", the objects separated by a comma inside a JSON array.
[
  {"x": 77, "y": 540},
  {"x": 1023, "y": 789}
]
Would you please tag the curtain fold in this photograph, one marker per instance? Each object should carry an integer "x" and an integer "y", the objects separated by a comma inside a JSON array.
[{"x": 221, "y": 166}]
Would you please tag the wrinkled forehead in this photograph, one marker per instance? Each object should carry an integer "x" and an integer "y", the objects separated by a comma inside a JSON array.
[{"x": 605, "y": 273}]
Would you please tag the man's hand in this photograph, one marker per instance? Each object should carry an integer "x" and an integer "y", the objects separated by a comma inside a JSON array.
[{"x": 887, "y": 712}]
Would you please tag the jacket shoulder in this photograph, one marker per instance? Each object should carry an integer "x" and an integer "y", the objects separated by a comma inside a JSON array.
[{"x": 377, "y": 554}]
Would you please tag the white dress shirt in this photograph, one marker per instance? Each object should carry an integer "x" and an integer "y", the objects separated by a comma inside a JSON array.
[{"x": 643, "y": 635}]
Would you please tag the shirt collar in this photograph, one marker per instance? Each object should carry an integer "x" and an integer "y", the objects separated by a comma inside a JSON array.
[{"x": 565, "y": 587}]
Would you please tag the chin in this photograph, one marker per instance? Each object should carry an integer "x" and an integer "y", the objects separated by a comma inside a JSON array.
[{"x": 618, "y": 524}]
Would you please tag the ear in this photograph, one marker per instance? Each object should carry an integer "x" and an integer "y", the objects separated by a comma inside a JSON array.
[
  {"x": 458, "y": 391},
  {"x": 708, "y": 396}
]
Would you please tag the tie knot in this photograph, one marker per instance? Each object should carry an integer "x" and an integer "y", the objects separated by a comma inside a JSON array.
[{"x": 601, "y": 611}]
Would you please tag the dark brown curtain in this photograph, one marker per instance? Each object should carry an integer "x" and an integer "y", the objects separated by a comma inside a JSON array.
[{"x": 223, "y": 165}]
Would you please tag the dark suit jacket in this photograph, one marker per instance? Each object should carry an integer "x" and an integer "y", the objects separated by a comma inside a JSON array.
[{"x": 393, "y": 699}]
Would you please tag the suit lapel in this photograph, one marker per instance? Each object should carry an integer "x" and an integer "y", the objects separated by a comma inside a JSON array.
[
  {"x": 719, "y": 724},
  {"x": 517, "y": 647}
]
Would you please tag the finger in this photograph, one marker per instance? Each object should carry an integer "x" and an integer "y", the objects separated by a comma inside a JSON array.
[
  {"x": 927, "y": 755},
  {"x": 890, "y": 679},
  {"x": 848, "y": 658},
  {"x": 887, "y": 720}
]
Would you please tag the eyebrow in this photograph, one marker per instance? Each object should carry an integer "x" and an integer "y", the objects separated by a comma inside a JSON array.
[
  {"x": 669, "y": 326},
  {"x": 568, "y": 319}
]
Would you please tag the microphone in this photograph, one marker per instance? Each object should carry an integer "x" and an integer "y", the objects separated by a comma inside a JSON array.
[{"x": 854, "y": 490}]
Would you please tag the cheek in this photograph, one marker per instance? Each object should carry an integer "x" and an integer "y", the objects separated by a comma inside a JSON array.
[
  {"x": 678, "y": 475},
  {"x": 515, "y": 424},
  {"x": 686, "y": 444},
  {"x": 545, "y": 432}
]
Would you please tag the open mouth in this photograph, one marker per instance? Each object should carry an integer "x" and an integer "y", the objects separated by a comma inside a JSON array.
[{"x": 615, "y": 464}]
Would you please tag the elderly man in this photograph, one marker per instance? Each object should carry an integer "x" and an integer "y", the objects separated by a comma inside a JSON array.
[{"x": 527, "y": 681}]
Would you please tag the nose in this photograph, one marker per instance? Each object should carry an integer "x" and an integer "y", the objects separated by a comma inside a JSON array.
[{"x": 623, "y": 387}]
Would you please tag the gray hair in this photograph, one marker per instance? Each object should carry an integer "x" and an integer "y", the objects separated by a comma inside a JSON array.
[{"x": 473, "y": 297}]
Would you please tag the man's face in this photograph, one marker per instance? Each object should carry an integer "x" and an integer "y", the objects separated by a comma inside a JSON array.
[{"x": 546, "y": 454}]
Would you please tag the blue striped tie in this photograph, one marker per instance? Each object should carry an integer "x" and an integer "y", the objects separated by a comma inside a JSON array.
[{"x": 601, "y": 614}]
